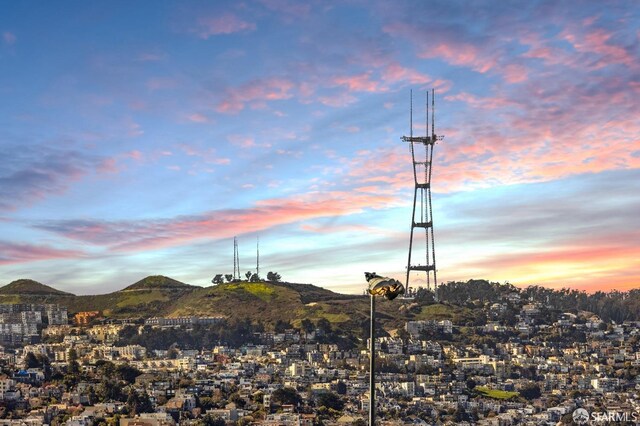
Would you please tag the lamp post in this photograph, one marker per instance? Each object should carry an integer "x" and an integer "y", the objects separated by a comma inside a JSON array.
[{"x": 389, "y": 288}]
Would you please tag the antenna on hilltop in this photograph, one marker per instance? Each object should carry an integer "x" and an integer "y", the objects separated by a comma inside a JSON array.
[
  {"x": 258, "y": 255},
  {"x": 236, "y": 260}
]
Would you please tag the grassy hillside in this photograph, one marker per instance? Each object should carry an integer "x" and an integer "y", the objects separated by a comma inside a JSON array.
[
  {"x": 30, "y": 291},
  {"x": 268, "y": 302},
  {"x": 150, "y": 296},
  {"x": 262, "y": 300},
  {"x": 30, "y": 287},
  {"x": 158, "y": 282},
  {"x": 265, "y": 302}
]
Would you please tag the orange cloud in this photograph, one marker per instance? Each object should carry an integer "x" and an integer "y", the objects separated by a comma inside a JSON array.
[{"x": 592, "y": 266}]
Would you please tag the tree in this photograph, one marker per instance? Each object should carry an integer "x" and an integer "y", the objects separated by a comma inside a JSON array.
[
  {"x": 341, "y": 388},
  {"x": 281, "y": 326},
  {"x": 127, "y": 373},
  {"x": 228, "y": 277},
  {"x": 73, "y": 367},
  {"x": 30, "y": 361},
  {"x": 330, "y": 400},
  {"x": 255, "y": 278},
  {"x": 530, "y": 391},
  {"x": 109, "y": 390},
  {"x": 218, "y": 279},
  {"x": 172, "y": 353},
  {"x": 248, "y": 275},
  {"x": 324, "y": 325},
  {"x": 138, "y": 403},
  {"x": 274, "y": 276},
  {"x": 286, "y": 396},
  {"x": 307, "y": 326},
  {"x": 210, "y": 420}
]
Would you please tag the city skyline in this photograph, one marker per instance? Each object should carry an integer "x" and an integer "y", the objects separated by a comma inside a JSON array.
[{"x": 140, "y": 139}]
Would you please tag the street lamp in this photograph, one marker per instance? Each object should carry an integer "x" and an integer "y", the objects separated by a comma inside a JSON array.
[{"x": 389, "y": 288}]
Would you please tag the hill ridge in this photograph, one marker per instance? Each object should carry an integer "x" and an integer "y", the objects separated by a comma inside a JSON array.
[
  {"x": 157, "y": 282},
  {"x": 25, "y": 286}
]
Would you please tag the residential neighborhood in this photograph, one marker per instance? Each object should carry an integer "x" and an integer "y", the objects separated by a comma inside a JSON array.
[{"x": 516, "y": 365}]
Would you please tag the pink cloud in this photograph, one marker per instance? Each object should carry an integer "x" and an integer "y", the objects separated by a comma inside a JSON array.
[
  {"x": 11, "y": 253},
  {"x": 134, "y": 155},
  {"x": 154, "y": 234},
  {"x": 158, "y": 83},
  {"x": 597, "y": 41},
  {"x": 359, "y": 83},
  {"x": 108, "y": 165},
  {"x": 198, "y": 118},
  {"x": 34, "y": 173},
  {"x": 395, "y": 73},
  {"x": 478, "y": 102},
  {"x": 227, "y": 23},
  {"x": 256, "y": 93},
  {"x": 515, "y": 73},
  {"x": 9, "y": 38},
  {"x": 242, "y": 141},
  {"x": 338, "y": 100},
  {"x": 289, "y": 10},
  {"x": 207, "y": 155},
  {"x": 332, "y": 228},
  {"x": 460, "y": 54}
]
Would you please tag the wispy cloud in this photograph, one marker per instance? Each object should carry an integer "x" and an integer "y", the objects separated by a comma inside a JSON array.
[
  {"x": 154, "y": 234},
  {"x": 255, "y": 93},
  {"x": 12, "y": 253},
  {"x": 226, "y": 23},
  {"x": 29, "y": 174},
  {"x": 9, "y": 38}
]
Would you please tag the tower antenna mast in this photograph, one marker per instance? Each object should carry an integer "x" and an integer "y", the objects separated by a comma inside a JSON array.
[{"x": 422, "y": 191}]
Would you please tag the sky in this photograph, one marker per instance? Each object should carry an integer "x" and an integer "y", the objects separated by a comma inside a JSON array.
[{"x": 138, "y": 138}]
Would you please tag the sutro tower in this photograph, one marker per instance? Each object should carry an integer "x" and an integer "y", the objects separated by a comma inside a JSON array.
[{"x": 422, "y": 219}]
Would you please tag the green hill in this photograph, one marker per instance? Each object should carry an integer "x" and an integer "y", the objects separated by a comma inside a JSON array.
[
  {"x": 151, "y": 296},
  {"x": 268, "y": 302},
  {"x": 158, "y": 282},
  {"x": 265, "y": 301},
  {"x": 30, "y": 287}
]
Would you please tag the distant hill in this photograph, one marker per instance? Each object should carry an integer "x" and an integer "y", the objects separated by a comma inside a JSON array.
[
  {"x": 157, "y": 282},
  {"x": 268, "y": 302},
  {"x": 151, "y": 296},
  {"x": 31, "y": 287}
]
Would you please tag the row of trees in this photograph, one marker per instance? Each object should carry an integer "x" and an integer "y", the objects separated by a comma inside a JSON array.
[
  {"x": 250, "y": 276},
  {"x": 610, "y": 306},
  {"x": 233, "y": 333}
]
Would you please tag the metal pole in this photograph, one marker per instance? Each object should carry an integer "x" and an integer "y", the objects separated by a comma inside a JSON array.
[{"x": 372, "y": 357}]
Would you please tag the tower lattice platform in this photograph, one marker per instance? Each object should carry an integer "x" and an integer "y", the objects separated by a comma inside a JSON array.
[{"x": 422, "y": 218}]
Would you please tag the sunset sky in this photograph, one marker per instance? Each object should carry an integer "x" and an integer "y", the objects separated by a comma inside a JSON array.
[{"x": 139, "y": 138}]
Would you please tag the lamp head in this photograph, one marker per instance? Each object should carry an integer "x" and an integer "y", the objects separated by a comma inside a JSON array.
[{"x": 383, "y": 286}]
